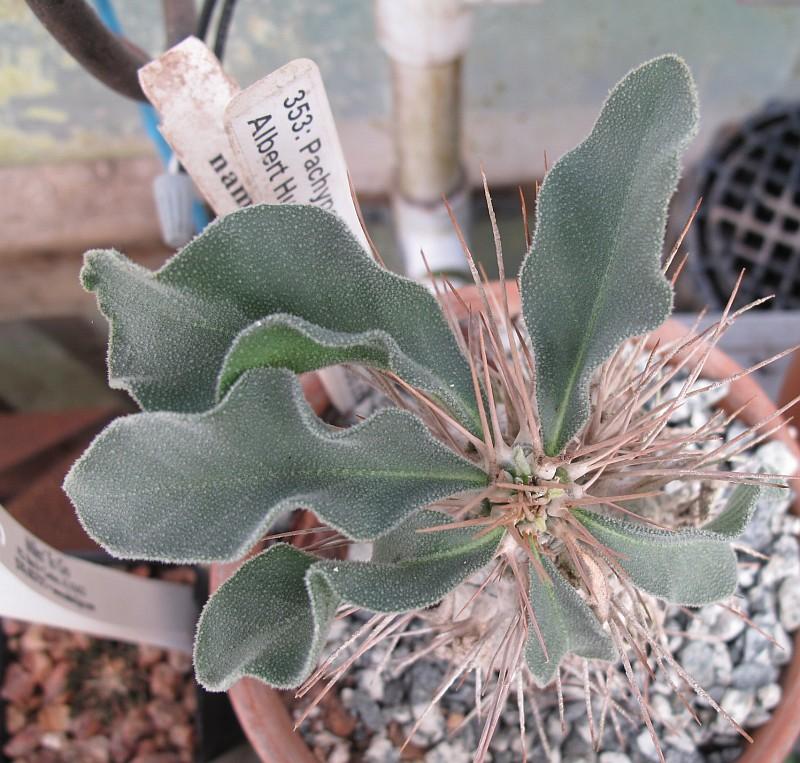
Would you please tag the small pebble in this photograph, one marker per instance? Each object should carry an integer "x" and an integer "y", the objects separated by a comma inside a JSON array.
[
  {"x": 15, "y": 719},
  {"x": 149, "y": 655},
  {"x": 53, "y": 718},
  {"x": 449, "y": 752},
  {"x": 769, "y": 696},
  {"x": 181, "y": 735},
  {"x": 717, "y": 622},
  {"x": 644, "y": 742},
  {"x": 697, "y": 659},
  {"x": 614, "y": 757},
  {"x": 55, "y": 684},
  {"x": 753, "y": 675},
  {"x": 789, "y": 602},
  {"x": 22, "y": 743},
  {"x": 38, "y": 664},
  {"x": 164, "y": 681},
  {"x": 784, "y": 561},
  {"x": 368, "y": 710},
  {"x": 18, "y": 684},
  {"x": 381, "y": 750},
  {"x": 165, "y": 714},
  {"x": 738, "y": 704},
  {"x": 340, "y": 754}
]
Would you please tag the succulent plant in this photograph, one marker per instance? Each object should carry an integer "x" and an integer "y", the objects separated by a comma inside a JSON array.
[{"x": 525, "y": 455}]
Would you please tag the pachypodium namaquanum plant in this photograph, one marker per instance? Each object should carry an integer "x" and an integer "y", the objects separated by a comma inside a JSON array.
[{"x": 513, "y": 497}]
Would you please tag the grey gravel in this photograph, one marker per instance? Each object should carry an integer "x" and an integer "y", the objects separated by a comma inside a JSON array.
[
  {"x": 644, "y": 742},
  {"x": 784, "y": 561},
  {"x": 697, "y": 658},
  {"x": 752, "y": 675},
  {"x": 367, "y": 709},
  {"x": 717, "y": 623},
  {"x": 738, "y": 666},
  {"x": 381, "y": 750}
]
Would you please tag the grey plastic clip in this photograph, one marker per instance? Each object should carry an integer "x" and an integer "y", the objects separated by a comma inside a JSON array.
[{"x": 174, "y": 194}]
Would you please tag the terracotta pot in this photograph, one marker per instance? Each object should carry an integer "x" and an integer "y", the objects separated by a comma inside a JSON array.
[
  {"x": 790, "y": 389},
  {"x": 266, "y": 721}
]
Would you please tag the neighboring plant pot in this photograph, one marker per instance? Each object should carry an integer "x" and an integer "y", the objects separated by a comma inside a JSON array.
[
  {"x": 215, "y": 727},
  {"x": 264, "y": 716}
]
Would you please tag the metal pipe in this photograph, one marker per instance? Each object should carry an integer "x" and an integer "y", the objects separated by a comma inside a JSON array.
[{"x": 111, "y": 59}]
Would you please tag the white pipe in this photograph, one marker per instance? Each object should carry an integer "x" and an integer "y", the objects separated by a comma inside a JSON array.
[
  {"x": 429, "y": 229},
  {"x": 425, "y": 41},
  {"x": 423, "y": 32}
]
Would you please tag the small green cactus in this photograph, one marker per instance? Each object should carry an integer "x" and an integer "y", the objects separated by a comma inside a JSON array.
[{"x": 513, "y": 471}]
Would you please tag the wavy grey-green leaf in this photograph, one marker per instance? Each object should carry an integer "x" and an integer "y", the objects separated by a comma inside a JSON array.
[
  {"x": 691, "y": 567},
  {"x": 269, "y": 619},
  {"x": 171, "y": 330},
  {"x": 286, "y": 341},
  {"x": 566, "y": 623},
  {"x": 266, "y": 621},
  {"x": 204, "y": 487},
  {"x": 592, "y": 277},
  {"x": 411, "y": 569},
  {"x": 734, "y": 518}
]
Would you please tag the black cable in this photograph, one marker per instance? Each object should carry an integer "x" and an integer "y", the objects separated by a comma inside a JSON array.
[
  {"x": 223, "y": 27},
  {"x": 204, "y": 19}
]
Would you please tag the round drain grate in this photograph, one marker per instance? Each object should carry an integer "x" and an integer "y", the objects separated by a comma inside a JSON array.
[{"x": 750, "y": 215}]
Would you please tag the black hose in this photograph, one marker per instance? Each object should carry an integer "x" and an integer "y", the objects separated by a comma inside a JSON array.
[
  {"x": 204, "y": 19},
  {"x": 223, "y": 27},
  {"x": 111, "y": 59}
]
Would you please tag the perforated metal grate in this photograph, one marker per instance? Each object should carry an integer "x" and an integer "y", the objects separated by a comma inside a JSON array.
[{"x": 750, "y": 215}]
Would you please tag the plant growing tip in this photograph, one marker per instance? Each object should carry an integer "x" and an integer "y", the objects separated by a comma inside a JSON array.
[{"x": 505, "y": 502}]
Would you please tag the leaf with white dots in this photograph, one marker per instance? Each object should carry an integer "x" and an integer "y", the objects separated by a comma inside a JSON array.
[
  {"x": 205, "y": 486},
  {"x": 691, "y": 567},
  {"x": 734, "y": 518},
  {"x": 286, "y": 341},
  {"x": 592, "y": 277},
  {"x": 270, "y": 618},
  {"x": 566, "y": 623},
  {"x": 265, "y": 621},
  {"x": 411, "y": 569},
  {"x": 172, "y": 330}
]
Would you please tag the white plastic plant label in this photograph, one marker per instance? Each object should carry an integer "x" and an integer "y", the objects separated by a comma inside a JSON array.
[
  {"x": 40, "y": 584},
  {"x": 189, "y": 90},
  {"x": 283, "y": 134}
]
